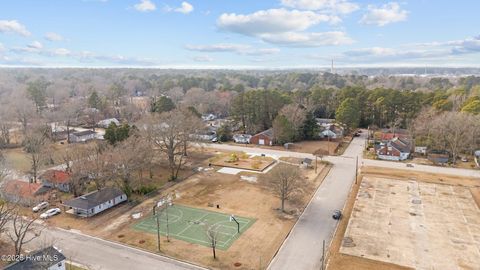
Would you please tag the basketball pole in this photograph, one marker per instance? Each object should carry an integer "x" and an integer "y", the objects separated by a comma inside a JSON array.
[
  {"x": 158, "y": 230},
  {"x": 166, "y": 212}
]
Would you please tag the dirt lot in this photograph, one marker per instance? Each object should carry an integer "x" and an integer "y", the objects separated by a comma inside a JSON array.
[
  {"x": 241, "y": 160},
  {"x": 440, "y": 203},
  {"x": 255, "y": 248}
]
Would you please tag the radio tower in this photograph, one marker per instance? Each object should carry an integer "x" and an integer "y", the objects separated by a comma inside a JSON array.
[{"x": 332, "y": 70}]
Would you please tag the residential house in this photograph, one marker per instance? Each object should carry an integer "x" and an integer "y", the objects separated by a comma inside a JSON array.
[
  {"x": 332, "y": 131},
  {"x": 82, "y": 136},
  {"x": 106, "y": 122},
  {"x": 95, "y": 202},
  {"x": 61, "y": 133},
  {"x": 396, "y": 149},
  {"x": 263, "y": 138},
  {"x": 56, "y": 179},
  {"x": 324, "y": 122},
  {"x": 49, "y": 258},
  {"x": 24, "y": 193},
  {"x": 204, "y": 135},
  {"x": 242, "y": 138}
]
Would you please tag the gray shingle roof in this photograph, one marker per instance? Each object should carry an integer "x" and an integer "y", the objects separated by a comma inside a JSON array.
[
  {"x": 40, "y": 259},
  {"x": 94, "y": 198}
]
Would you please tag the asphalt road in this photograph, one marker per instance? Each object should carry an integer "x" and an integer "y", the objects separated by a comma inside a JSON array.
[
  {"x": 100, "y": 254},
  {"x": 302, "y": 250}
]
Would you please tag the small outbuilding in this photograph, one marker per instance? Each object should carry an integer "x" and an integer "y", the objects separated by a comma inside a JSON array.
[
  {"x": 82, "y": 136},
  {"x": 263, "y": 138},
  {"x": 95, "y": 202}
]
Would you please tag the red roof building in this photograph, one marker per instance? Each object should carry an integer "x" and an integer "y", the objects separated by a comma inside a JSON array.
[
  {"x": 56, "y": 179},
  {"x": 24, "y": 193}
]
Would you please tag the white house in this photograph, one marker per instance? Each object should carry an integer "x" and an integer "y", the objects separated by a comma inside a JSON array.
[
  {"x": 95, "y": 202},
  {"x": 204, "y": 135},
  {"x": 82, "y": 136},
  {"x": 49, "y": 258},
  {"x": 106, "y": 122},
  {"x": 242, "y": 138}
]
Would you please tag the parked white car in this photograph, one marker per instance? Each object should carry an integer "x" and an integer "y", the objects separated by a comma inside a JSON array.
[
  {"x": 50, "y": 213},
  {"x": 40, "y": 206}
]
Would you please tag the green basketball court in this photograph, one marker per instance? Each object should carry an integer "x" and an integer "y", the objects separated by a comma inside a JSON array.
[{"x": 189, "y": 224}]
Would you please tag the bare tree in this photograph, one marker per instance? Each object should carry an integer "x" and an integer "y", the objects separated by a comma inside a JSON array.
[
  {"x": 126, "y": 159},
  {"x": 70, "y": 112},
  {"x": 284, "y": 180},
  {"x": 454, "y": 132},
  {"x": 3, "y": 166},
  {"x": 22, "y": 232},
  {"x": 170, "y": 133},
  {"x": 6, "y": 213},
  {"x": 212, "y": 231},
  {"x": 35, "y": 142}
]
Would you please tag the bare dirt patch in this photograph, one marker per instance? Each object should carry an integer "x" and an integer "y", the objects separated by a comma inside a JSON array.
[{"x": 241, "y": 160}]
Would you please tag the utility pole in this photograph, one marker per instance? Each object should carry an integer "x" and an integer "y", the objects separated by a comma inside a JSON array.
[{"x": 158, "y": 228}]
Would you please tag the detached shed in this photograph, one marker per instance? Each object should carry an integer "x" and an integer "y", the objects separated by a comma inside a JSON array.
[{"x": 263, "y": 138}]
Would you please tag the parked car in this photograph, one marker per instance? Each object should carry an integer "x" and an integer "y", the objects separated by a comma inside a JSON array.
[
  {"x": 40, "y": 206},
  {"x": 410, "y": 165},
  {"x": 356, "y": 134},
  {"x": 464, "y": 159},
  {"x": 337, "y": 214},
  {"x": 50, "y": 213},
  {"x": 214, "y": 140}
]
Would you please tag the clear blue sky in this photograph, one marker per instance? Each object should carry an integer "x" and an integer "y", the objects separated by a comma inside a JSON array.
[{"x": 239, "y": 33}]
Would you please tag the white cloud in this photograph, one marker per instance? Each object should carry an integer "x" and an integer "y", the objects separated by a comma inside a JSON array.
[
  {"x": 284, "y": 27},
  {"x": 314, "y": 39},
  {"x": 272, "y": 21},
  {"x": 36, "y": 45},
  {"x": 185, "y": 8},
  {"x": 13, "y": 26},
  {"x": 51, "y": 36},
  {"x": 145, "y": 6},
  {"x": 386, "y": 14},
  {"x": 335, "y": 6},
  {"x": 222, "y": 47},
  {"x": 61, "y": 52},
  {"x": 241, "y": 49},
  {"x": 203, "y": 58}
]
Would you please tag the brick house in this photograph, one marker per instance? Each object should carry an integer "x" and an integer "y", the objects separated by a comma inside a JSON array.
[
  {"x": 395, "y": 149},
  {"x": 263, "y": 138}
]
